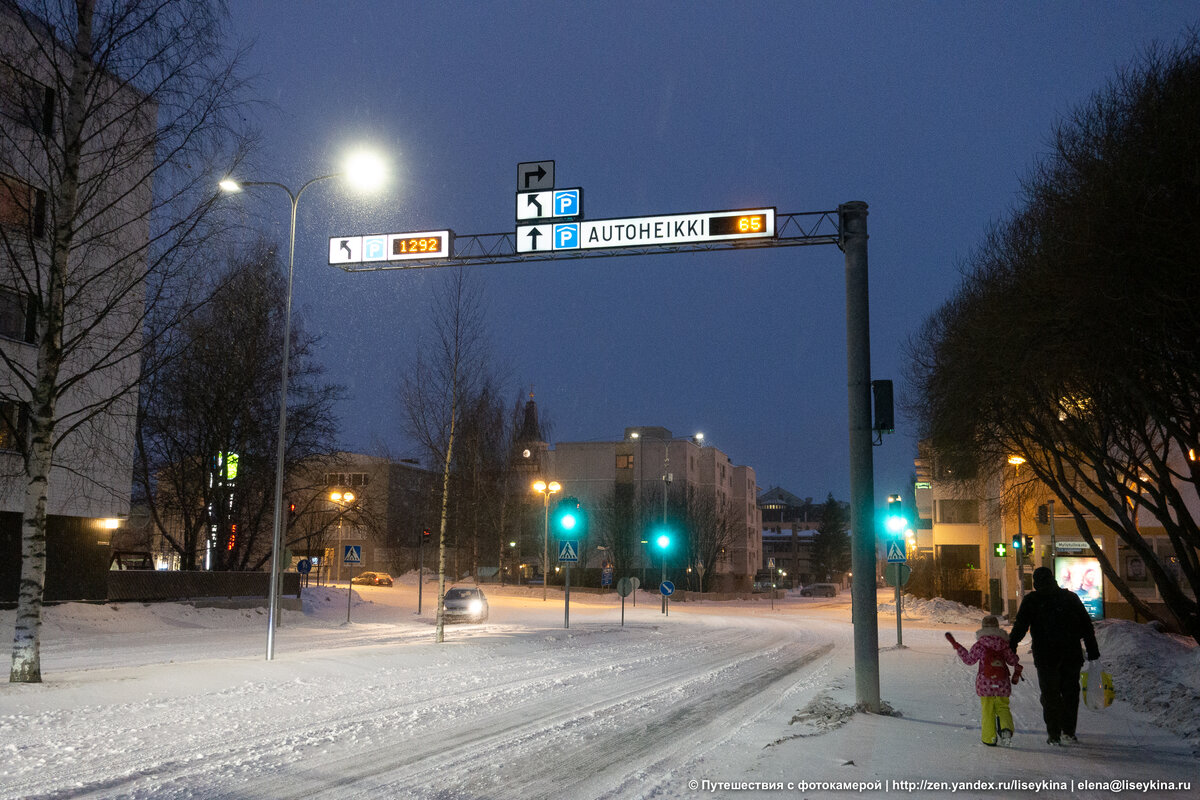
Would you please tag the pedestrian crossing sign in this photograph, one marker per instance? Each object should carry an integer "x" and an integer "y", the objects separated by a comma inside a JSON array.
[
  {"x": 353, "y": 555},
  {"x": 896, "y": 553},
  {"x": 568, "y": 551}
]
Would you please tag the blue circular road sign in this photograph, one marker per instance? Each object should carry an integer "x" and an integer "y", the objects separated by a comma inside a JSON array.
[
  {"x": 667, "y": 588},
  {"x": 304, "y": 566}
]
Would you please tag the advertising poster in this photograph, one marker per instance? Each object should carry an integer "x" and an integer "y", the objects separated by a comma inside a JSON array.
[{"x": 1083, "y": 577}]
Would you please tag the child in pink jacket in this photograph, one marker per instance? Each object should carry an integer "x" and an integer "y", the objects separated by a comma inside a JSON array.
[{"x": 992, "y": 683}]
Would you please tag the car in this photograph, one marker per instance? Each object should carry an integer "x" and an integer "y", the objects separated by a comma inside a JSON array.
[
  {"x": 819, "y": 590},
  {"x": 372, "y": 579},
  {"x": 466, "y": 603}
]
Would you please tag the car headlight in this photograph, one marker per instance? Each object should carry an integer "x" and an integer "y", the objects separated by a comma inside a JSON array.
[{"x": 475, "y": 606}]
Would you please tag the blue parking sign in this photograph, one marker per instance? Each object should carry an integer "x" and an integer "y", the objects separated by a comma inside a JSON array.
[
  {"x": 566, "y": 236},
  {"x": 566, "y": 203},
  {"x": 374, "y": 248}
]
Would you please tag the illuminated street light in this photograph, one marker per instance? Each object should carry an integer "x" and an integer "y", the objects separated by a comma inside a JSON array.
[
  {"x": 546, "y": 489},
  {"x": 358, "y": 170}
]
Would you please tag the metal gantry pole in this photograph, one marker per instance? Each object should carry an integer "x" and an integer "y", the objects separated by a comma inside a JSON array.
[{"x": 853, "y": 219}]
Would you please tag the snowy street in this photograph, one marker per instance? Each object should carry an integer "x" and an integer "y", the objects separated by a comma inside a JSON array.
[{"x": 168, "y": 701}]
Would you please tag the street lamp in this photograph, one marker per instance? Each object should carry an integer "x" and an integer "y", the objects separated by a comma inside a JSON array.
[
  {"x": 364, "y": 171},
  {"x": 344, "y": 498},
  {"x": 546, "y": 489}
]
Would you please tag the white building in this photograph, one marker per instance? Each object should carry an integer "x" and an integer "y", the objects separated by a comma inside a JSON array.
[
  {"x": 91, "y": 478},
  {"x": 593, "y": 472}
]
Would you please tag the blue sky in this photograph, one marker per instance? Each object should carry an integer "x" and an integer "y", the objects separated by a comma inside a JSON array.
[{"x": 929, "y": 112}]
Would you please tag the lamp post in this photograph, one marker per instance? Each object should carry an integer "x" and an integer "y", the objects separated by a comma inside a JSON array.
[
  {"x": 1017, "y": 461},
  {"x": 365, "y": 171},
  {"x": 546, "y": 489},
  {"x": 344, "y": 498}
]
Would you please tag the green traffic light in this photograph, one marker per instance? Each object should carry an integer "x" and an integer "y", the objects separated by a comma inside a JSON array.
[
  {"x": 567, "y": 522},
  {"x": 663, "y": 541}
]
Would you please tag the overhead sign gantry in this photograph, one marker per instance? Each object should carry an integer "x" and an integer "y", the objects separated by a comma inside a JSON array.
[{"x": 550, "y": 226}]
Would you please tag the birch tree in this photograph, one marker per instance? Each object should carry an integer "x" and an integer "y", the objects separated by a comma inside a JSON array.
[
  {"x": 447, "y": 372},
  {"x": 124, "y": 109}
]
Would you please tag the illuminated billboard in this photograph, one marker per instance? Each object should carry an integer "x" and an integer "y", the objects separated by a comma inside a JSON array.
[{"x": 1082, "y": 576}]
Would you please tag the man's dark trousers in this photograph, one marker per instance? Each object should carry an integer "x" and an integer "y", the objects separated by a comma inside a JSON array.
[{"x": 1058, "y": 682}]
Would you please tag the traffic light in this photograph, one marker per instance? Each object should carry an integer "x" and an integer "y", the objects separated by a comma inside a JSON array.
[
  {"x": 426, "y": 535},
  {"x": 896, "y": 521},
  {"x": 569, "y": 517},
  {"x": 885, "y": 413},
  {"x": 1017, "y": 543},
  {"x": 1000, "y": 549},
  {"x": 1028, "y": 544},
  {"x": 663, "y": 541}
]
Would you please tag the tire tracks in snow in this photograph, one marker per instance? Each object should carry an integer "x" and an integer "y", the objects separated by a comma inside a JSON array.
[
  {"x": 235, "y": 763},
  {"x": 557, "y": 749}
]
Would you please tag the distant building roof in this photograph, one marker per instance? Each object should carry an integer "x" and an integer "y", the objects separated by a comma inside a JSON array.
[{"x": 775, "y": 497}]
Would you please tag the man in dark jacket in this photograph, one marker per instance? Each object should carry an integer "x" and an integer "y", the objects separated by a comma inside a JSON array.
[{"x": 1056, "y": 619}]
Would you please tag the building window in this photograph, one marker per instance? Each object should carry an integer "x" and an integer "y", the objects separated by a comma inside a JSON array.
[
  {"x": 25, "y": 101},
  {"x": 16, "y": 316},
  {"x": 624, "y": 461},
  {"x": 22, "y": 206},
  {"x": 346, "y": 479},
  {"x": 958, "y": 512},
  {"x": 11, "y": 422}
]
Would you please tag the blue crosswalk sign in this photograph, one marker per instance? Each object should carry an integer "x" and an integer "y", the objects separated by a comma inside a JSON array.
[
  {"x": 352, "y": 555},
  {"x": 568, "y": 551},
  {"x": 566, "y": 236},
  {"x": 566, "y": 203},
  {"x": 895, "y": 553}
]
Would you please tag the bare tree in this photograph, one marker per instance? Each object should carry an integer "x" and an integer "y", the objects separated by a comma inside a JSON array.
[
  {"x": 445, "y": 376},
  {"x": 127, "y": 108},
  {"x": 208, "y": 416},
  {"x": 1073, "y": 341},
  {"x": 618, "y": 528},
  {"x": 710, "y": 527}
]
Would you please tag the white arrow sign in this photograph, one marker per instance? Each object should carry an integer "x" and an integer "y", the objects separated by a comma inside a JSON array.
[
  {"x": 557, "y": 203},
  {"x": 711, "y": 226}
]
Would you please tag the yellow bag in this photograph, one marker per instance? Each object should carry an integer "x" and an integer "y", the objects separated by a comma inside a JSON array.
[{"x": 1098, "y": 700}]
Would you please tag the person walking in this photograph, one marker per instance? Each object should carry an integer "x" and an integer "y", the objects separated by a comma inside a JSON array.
[
  {"x": 992, "y": 684},
  {"x": 1056, "y": 621}
]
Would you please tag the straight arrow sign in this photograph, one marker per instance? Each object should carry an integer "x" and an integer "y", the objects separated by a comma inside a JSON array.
[{"x": 533, "y": 238}]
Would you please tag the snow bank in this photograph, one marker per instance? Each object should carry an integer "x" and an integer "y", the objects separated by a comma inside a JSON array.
[
  {"x": 1157, "y": 673},
  {"x": 936, "y": 610}
]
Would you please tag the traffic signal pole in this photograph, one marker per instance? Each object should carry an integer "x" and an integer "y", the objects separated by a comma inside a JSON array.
[{"x": 853, "y": 240}]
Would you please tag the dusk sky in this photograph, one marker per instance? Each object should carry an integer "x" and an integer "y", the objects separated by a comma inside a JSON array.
[{"x": 929, "y": 112}]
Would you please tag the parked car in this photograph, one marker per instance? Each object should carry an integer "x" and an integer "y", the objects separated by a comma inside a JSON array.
[
  {"x": 372, "y": 579},
  {"x": 468, "y": 604},
  {"x": 819, "y": 590}
]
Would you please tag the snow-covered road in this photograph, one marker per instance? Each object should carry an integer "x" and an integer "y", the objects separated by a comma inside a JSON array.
[{"x": 167, "y": 701}]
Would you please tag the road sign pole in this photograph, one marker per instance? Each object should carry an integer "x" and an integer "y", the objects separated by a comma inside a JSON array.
[
  {"x": 899, "y": 633},
  {"x": 864, "y": 615},
  {"x": 567, "y": 599}
]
